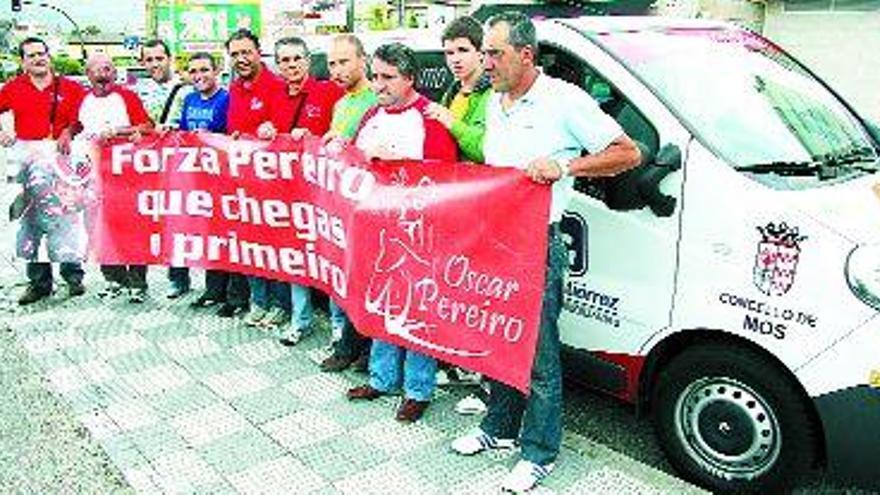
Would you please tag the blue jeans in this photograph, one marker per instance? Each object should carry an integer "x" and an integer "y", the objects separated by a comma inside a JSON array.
[
  {"x": 538, "y": 417},
  {"x": 303, "y": 312},
  {"x": 392, "y": 366},
  {"x": 266, "y": 293}
]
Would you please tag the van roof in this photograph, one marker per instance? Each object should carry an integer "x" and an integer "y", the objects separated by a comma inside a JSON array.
[{"x": 606, "y": 24}]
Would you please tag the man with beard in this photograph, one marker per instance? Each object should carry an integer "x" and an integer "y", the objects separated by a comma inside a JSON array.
[
  {"x": 109, "y": 111},
  {"x": 44, "y": 106}
]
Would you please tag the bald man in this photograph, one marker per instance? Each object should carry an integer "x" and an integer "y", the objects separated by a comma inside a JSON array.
[{"x": 108, "y": 111}]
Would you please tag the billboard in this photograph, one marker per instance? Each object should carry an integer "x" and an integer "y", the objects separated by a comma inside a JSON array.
[{"x": 203, "y": 25}]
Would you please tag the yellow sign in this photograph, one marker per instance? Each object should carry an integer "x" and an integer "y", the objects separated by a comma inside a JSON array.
[{"x": 874, "y": 379}]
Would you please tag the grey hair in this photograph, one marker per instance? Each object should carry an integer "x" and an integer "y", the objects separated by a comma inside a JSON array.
[
  {"x": 400, "y": 56},
  {"x": 294, "y": 41},
  {"x": 522, "y": 29}
]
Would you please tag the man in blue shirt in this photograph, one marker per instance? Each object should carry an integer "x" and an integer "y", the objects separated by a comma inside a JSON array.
[{"x": 204, "y": 110}]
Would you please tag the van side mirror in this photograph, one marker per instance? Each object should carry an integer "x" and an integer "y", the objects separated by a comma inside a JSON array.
[
  {"x": 873, "y": 129},
  {"x": 640, "y": 187}
]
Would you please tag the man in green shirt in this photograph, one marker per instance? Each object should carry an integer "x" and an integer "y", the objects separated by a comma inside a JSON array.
[
  {"x": 463, "y": 109},
  {"x": 347, "y": 63}
]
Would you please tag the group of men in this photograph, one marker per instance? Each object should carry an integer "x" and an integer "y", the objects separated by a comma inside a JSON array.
[{"x": 500, "y": 110}]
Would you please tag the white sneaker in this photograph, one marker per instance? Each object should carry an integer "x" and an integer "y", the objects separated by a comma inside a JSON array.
[
  {"x": 254, "y": 316},
  {"x": 470, "y": 406},
  {"x": 112, "y": 290},
  {"x": 478, "y": 441},
  {"x": 524, "y": 476},
  {"x": 274, "y": 317},
  {"x": 291, "y": 337}
]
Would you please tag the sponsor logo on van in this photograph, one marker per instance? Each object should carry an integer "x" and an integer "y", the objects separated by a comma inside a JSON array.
[
  {"x": 777, "y": 258},
  {"x": 574, "y": 235},
  {"x": 874, "y": 379}
]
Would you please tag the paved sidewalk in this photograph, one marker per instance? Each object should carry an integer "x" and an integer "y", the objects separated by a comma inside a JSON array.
[{"x": 183, "y": 401}]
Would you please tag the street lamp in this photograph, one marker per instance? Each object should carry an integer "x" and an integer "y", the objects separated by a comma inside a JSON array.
[{"x": 16, "y": 6}]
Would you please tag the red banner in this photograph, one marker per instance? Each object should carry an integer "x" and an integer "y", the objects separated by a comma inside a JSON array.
[{"x": 447, "y": 259}]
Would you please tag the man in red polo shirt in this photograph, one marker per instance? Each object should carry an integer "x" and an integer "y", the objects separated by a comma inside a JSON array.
[
  {"x": 44, "y": 106},
  {"x": 256, "y": 94},
  {"x": 308, "y": 109},
  {"x": 255, "y": 97}
]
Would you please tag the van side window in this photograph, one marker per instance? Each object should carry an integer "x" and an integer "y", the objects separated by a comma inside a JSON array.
[
  {"x": 434, "y": 76},
  {"x": 558, "y": 62}
]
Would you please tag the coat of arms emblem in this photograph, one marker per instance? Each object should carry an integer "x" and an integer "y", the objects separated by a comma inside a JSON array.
[{"x": 777, "y": 258}]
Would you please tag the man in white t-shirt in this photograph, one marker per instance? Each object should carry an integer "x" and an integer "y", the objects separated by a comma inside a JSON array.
[
  {"x": 540, "y": 125},
  {"x": 107, "y": 111}
]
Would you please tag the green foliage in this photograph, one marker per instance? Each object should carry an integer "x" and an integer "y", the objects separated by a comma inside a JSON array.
[
  {"x": 379, "y": 18},
  {"x": 67, "y": 66}
]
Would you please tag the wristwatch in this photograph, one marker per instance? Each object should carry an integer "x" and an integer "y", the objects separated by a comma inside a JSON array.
[{"x": 565, "y": 166}]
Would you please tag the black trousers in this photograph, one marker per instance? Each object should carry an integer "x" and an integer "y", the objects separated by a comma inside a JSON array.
[
  {"x": 40, "y": 274},
  {"x": 131, "y": 276}
]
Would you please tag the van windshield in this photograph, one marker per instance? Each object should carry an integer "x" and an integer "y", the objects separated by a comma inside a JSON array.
[{"x": 745, "y": 98}]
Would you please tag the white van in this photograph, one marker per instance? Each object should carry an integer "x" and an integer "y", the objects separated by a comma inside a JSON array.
[{"x": 730, "y": 286}]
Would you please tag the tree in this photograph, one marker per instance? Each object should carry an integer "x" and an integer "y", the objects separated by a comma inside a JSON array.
[
  {"x": 91, "y": 30},
  {"x": 67, "y": 66}
]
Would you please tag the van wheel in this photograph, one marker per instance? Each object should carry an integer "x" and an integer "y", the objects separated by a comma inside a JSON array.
[{"x": 730, "y": 421}]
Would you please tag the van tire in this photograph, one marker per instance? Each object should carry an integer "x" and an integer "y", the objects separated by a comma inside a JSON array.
[{"x": 731, "y": 421}]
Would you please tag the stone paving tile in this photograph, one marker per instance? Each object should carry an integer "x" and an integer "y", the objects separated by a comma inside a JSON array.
[
  {"x": 436, "y": 464},
  {"x": 211, "y": 364},
  {"x": 283, "y": 475},
  {"x": 268, "y": 404},
  {"x": 117, "y": 345},
  {"x": 158, "y": 379},
  {"x": 260, "y": 351},
  {"x": 186, "y": 399},
  {"x": 153, "y": 441},
  {"x": 609, "y": 481},
  {"x": 205, "y": 425},
  {"x": 485, "y": 482},
  {"x": 235, "y": 336},
  {"x": 141, "y": 479},
  {"x": 160, "y": 333},
  {"x": 340, "y": 457},
  {"x": 353, "y": 416},
  {"x": 319, "y": 388},
  {"x": 81, "y": 353},
  {"x": 235, "y": 383},
  {"x": 184, "y": 471},
  {"x": 138, "y": 360},
  {"x": 288, "y": 367},
  {"x": 395, "y": 438},
  {"x": 145, "y": 320},
  {"x": 240, "y": 451},
  {"x": 388, "y": 477},
  {"x": 52, "y": 341},
  {"x": 99, "y": 424},
  {"x": 131, "y": 415},
  {"x": 183, "y": 348},
  {"x": 114, "y": 390},
  {"x": 302, "y": 428}
]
